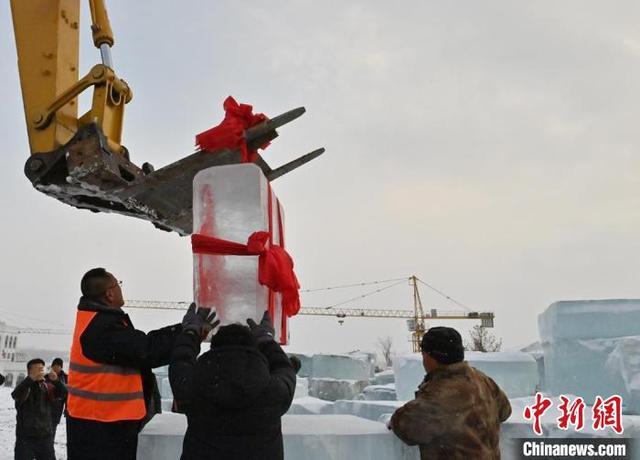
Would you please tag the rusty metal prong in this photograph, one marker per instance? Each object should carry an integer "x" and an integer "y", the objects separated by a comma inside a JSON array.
[
  {"x": 258, "y": 142},
  {"x": 288, "y": 167},
  {"x": 263, "y": 128},
  {"x": 266, "y": 169}
]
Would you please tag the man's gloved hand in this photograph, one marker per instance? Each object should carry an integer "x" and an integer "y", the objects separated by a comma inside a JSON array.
[
  {"x": 199, "y": 322},
  {"x": 264, "y": 331}
]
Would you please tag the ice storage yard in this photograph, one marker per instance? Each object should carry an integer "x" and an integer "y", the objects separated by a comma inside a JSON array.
[
  {"x": 341, "y": 406},
  {"x": 355, "y": 428}
]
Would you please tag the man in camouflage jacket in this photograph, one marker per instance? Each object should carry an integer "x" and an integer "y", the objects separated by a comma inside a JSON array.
[{"x": 458, "y": 409}]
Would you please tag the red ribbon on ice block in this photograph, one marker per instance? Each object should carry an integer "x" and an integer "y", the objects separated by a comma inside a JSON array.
[
  {"x": 229, "y": 134},
  {"x": 275, "y": 265}
]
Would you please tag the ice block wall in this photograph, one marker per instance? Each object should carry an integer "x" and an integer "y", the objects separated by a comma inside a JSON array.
[
  {"x": 515, "y": 372},
  {"x": 580, "y": 338},
  {"x": 231, "y": 203}
]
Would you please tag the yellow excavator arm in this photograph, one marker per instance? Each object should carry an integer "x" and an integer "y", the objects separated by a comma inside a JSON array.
[
  {"x": 47, "y": 38},
  {"x": 81, "y": 160}
]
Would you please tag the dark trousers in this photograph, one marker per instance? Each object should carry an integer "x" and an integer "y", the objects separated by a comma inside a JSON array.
[
  {"x": 91, "y": 440},
  {"x": 30, "y": 448}
]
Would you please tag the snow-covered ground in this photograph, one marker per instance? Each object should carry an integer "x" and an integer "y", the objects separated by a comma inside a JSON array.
[{"x": 8, "y": 429}]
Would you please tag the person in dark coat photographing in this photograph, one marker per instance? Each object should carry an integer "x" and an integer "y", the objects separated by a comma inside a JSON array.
[
  {"x": 235, "y": 394},
  {"x": 112, "y": 389},
  {"x": 33, "y": 397}
]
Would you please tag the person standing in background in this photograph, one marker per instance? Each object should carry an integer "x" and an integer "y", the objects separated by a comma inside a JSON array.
[
  {"x": 57, "y": 404},
  {"x": 33, "y": 398}
]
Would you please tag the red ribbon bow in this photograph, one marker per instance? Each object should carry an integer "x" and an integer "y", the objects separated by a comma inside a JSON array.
[
  {"x": 275, "y": 265},
  {"x": 229, "y": 134}
]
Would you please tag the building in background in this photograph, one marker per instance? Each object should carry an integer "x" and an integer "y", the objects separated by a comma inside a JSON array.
[
  {"x": 13, "y": 360},
  {"x": 8, "y": 353}
]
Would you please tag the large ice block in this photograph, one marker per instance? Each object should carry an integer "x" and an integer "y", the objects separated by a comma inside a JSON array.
[
  {"x": 535, "y": 350},
  {"x": 308, "y": 405},
  {"x": 333, "y": 389},
  {"x": 231, "y": 203},
  {"x": 624, "y": 362},
  {"x": 371, "y": 410},
  {"x": 302, "y": 388},
  {"x": 379, "y": 393},
  {"x": 515, "y": 372},
  {"x": 384, "y": 377},
  {"x": 358, "y": 366},
  {"x": 308, "y": 437},
  {"x": 409, "y": 372},
  {"x": 578, "y": 338},
  {"x": 346, "y": 437},
  {"x": 590, "y": 319},
  {"x": 306, "y": 363}
]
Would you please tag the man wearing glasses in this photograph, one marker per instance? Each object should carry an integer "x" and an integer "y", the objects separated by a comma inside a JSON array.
[{"x": 112, "y": 390}]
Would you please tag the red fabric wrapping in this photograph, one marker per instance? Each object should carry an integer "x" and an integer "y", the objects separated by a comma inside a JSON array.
[
  {"x": 229, "y": 134},
  {"x": 275, "y": 265}
]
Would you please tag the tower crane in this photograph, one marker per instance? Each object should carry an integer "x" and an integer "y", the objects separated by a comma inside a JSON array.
[{"x": 416, "y": 318}]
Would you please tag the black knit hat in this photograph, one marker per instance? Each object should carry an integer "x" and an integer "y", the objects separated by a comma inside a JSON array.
[
  {"x": 444, "y": 344},
  {"x": 233, "y": 334}
]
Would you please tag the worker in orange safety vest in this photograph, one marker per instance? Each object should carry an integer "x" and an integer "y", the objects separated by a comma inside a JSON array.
[{"x": 112, "y": 389}]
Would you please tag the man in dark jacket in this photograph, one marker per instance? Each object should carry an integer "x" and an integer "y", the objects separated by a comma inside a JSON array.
[
  {"x": 33, "y": 397},
  {"x": 112, "y": 390},
  {"x": 234, "y": 394},
  {"x": 57, "y": 403},
  {"x": 458, "y": 410}
]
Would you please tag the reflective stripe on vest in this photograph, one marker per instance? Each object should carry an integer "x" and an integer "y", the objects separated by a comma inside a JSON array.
[{"x": 98, "y": 391}]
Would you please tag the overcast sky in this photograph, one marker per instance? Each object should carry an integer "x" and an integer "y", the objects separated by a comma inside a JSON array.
[{"x": 491, "y": 148}]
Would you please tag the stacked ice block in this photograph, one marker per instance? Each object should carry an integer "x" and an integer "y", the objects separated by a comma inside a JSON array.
[
  {"x": 579, "y": 338},
  {"x": 309, "y": 437},
  {"x": 357, "y": 366},
  {"x": 624, "y": 361},
  {"x": 231, "y": 203},
  {"x": 515, "y": 372}
]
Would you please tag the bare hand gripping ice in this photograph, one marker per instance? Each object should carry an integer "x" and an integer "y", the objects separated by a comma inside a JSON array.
[{"x": 230, "y": 204}]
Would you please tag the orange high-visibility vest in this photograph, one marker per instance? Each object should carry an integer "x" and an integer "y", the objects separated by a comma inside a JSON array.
[{"x": 99, "y": 391}]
